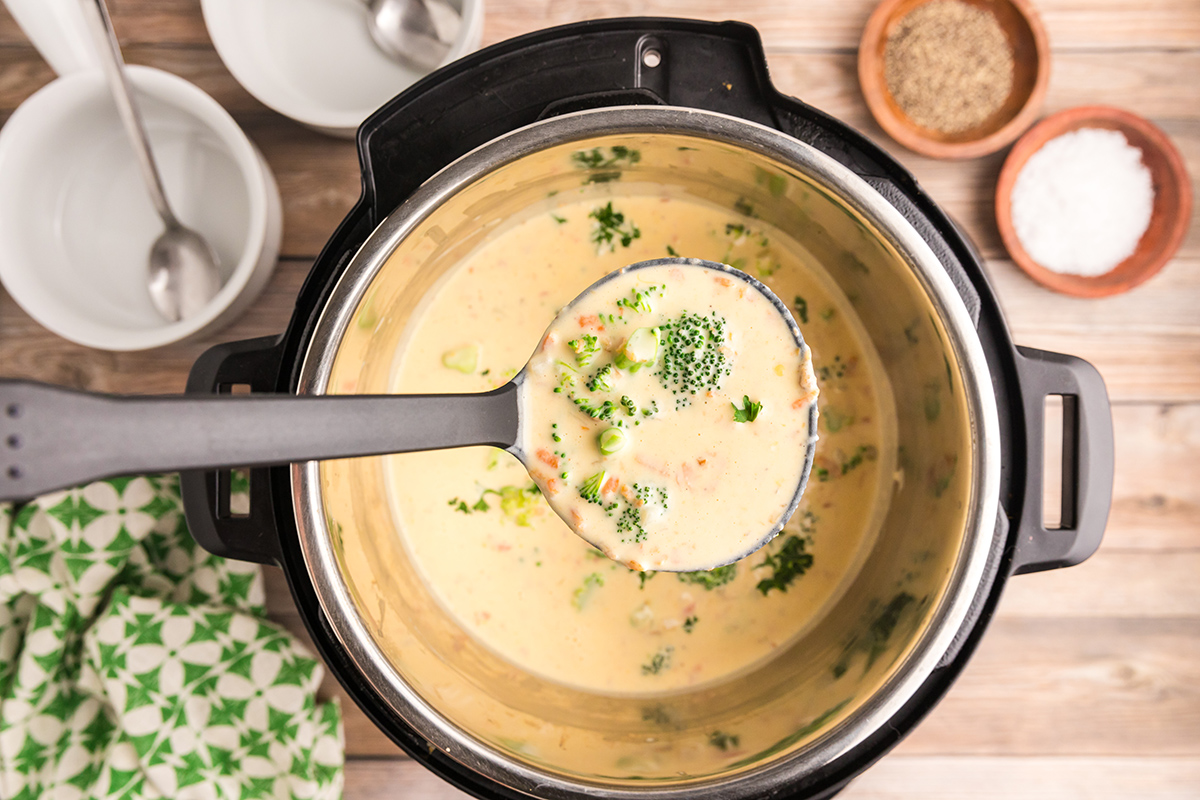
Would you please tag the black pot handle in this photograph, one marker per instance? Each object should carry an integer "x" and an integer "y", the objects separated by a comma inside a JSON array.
[
  {"x": 206, "y": 494},
  {"x": 1087, "y": 460}
]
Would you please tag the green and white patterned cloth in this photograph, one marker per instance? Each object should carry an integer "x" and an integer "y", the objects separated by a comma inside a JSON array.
[{"x": 133, "y": 664}]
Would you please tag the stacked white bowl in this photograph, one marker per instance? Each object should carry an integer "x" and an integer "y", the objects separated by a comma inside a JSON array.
[{"x": 76, "y": 223}]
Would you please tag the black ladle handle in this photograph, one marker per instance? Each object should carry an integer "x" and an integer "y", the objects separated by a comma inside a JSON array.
[{"x": 53, "y": 437}]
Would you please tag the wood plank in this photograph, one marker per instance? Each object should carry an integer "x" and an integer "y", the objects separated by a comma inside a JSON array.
[
  {"x": 1145, "y": 82},
  {"x": 1029, "y": 778},
  {"x": 1136, "y": 368},
  {"x": 30, "y": 351},
  {"x": 319, "y": 180},
  {"x": 1113, "y": 583},
  {"x": 1156, "y": 494},
  {"x": 1141, "y": 81},
  {"x": 1072, "y": 24},
  {"x": 324, "y": 173},
  {"x": 896, "y": 777},
  {"x": 1072, "y": 687},
  {"x": 23, "y": 72},
  {"x": 1138, "y": 81},
  {"x": 1034, "y": 687},
  {"x": 1146, "y": 342},
  {"x": 825, "y": 24},
  {"x": 178, "y": 22}
]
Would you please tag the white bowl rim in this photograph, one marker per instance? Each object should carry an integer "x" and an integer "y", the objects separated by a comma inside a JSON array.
[
  {"x": 262, "y": 87},
  {"x": 166, "y": 87}
]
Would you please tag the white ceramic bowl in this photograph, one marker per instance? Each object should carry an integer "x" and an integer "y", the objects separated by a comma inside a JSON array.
[
  {"x": 313, "y": 60},
  {"x": 76, "y": 223}
]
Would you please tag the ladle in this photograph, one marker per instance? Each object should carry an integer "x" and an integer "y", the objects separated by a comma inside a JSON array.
[{"x": 56, "y": 437}]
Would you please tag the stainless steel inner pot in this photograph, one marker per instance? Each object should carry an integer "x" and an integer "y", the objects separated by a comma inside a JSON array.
[{"x": 849, "y": 674}]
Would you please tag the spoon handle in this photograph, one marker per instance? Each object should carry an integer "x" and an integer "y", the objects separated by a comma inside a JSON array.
[
  {"x": 51, "y": 437},
  {"x": 109, "y": 51}
]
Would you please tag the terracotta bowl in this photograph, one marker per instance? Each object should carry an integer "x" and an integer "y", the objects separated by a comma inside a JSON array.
[
  {"x": 1168, "y": 221},
  {"x": 1031, "y": 62}
]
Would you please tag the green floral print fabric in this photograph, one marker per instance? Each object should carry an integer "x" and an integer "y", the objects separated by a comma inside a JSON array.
[{"x": 133, "y": 664}]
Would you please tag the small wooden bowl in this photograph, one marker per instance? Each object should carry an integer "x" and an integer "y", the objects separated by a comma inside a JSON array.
[
  {"x": 1168, "y": 220},
  {"x": 1031, "y": 74}
]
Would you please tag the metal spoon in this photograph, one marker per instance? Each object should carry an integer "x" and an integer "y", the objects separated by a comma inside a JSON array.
[
  {"x": 55, "y": 437},
  {"x": 417, "y": 32},
  {"x": 183, "y": 275}
]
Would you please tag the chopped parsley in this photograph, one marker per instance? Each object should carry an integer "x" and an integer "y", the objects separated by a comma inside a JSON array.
[
  {"x": 786, "y": 565},
  {"x": 864, "y": 452},
  {"x": 941, "y": 474},
  {"x": 618, "y": 155},
  {"x": 747, "y": 414},
  {"x": 659, "y": 661},
  {"x": 516, "y": 502},
  {"x": 722, "y": 741},
  {"x": 933, "y": 401},
  {"x": 910, "y": 333},
  {"x": 873, "y": 641},
  {"x": 836, "y": 369},
  {"x": 689, "y": 624},
  {"x": 611, "y": 228},
  {"x": 881, "y": 628},
  {"x": 801, "y": 307},
  {"x": 739, "y": 231}
]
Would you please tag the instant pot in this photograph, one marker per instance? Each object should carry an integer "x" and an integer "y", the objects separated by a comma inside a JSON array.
[{"x": 472, "y": 148}]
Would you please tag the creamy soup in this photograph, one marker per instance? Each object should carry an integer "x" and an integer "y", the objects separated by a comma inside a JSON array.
[
  {"x": 665, "y": 416},
  {"x": 515, "y": 576}
]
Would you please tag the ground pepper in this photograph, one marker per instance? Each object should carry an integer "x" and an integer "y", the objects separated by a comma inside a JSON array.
[{"x": 948, "y": 65}]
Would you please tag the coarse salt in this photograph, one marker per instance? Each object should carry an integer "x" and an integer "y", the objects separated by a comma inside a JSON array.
[{"x": 1082, "y": 202}]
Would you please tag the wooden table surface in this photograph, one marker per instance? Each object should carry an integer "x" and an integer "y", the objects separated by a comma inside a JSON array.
[{"x": 1088, "y": 683}]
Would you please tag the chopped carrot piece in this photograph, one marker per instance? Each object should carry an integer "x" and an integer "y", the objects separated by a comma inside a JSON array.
[{"x": 590, "y": 321}]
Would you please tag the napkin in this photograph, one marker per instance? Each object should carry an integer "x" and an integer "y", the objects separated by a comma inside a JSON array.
[{"x": 134, "y": 664}]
